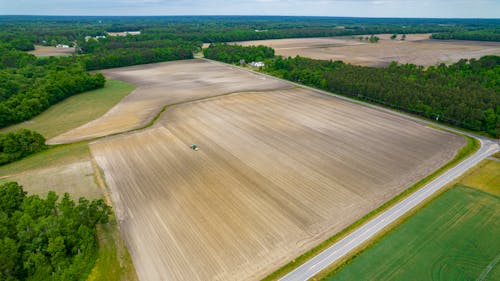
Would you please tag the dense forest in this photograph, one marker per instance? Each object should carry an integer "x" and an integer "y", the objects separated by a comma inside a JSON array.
[
  {"x": 463, "y": 94},
  {"x": 29, "y": 85},
  {"x": 19, "y": 144},
  {"x": 477, "y": 35},
  {"x": 119, "y": 51},
  {"x": 47, "y": 238},
  {"x": 235, "y": 53}
]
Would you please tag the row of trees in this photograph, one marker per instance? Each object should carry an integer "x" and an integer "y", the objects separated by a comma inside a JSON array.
[
  {"x": 19, "y": 144},
  {"x": 47, "y": 238},
  {"x": 477, "y": 35},
  {"x": 464, "y": 94},
  {"x": 28, "y": 85},
  {"x": 235, "y": 53},
  {"x": 132, "y": 50}
]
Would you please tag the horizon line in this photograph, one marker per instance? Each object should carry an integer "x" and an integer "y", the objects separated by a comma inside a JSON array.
[{"x": 241, "y": 15}]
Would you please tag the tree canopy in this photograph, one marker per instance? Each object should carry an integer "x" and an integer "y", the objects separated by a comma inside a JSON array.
[{"x": 47, "y": 238}]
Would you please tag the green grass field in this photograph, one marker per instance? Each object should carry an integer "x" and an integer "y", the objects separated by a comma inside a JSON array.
[
  {"x": 486, "y": 177},
  {"x": 113, "y": 260},
  {"x": 76, "y": 110},
  {"x": 454, "y": 237}
]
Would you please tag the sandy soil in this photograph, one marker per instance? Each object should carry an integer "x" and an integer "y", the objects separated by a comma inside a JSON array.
[
  {"x": 416, "y": 49},
  {"x": 277, "y": 172},
  {"x": 162, "y": 84},
  {"x": 47, "y": 51},
  {"x": 77, "y": 179}
]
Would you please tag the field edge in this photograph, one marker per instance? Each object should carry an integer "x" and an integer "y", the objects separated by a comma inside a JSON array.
[{"x": 472, "y": 146}]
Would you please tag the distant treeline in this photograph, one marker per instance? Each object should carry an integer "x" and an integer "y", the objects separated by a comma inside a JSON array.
[
  {"x": 235, "y": 53},
  {"x": 19, "y": 144},
  {"x": 48, "y": 238},
  {"x": 132, "y": 50},
  {"x": 479, "y": 35},
  {"x": 29, "y": 85},
  {"x": 464, "y": 94},
  {"x": 24, "y": 31}
]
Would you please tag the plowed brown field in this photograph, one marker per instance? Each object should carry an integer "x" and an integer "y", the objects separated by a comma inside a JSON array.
[
  {"x": 162, "y": 84},
  {"x": 277, "y": 172},
  {"x": 416, "y": 49},
  {"x": 47, "y": 51}
]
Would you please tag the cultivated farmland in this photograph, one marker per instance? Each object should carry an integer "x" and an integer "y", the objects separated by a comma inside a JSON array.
[
  {"x": 164, "y": 84},
  {"x": 278, "y": 172},
  {"x": 416, "y": 49}
]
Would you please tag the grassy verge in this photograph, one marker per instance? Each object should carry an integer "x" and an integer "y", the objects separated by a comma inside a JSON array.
[
  {"x": 471, "y": 146},
  {"x": 485, "y": 177},
  {"x": 76, "y": 110},
  {"x": 55, "y": 155},
  {"x": 113, "y": 260}
]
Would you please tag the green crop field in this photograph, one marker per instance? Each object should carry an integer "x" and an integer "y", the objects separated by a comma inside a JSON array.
[
  {"x": 455, "y": 237},
  {"x": 76, "y": 110}
]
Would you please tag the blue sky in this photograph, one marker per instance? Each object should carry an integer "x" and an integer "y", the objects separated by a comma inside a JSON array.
[{"x": 355, "y": 8}]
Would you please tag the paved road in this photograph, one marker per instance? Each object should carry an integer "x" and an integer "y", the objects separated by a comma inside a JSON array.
[
  {"x": 375, "y": 225},
  {"x": 370, "y": 229}
]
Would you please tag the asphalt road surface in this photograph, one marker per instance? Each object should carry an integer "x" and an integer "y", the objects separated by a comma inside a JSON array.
[{"x": 368, "y": 230}]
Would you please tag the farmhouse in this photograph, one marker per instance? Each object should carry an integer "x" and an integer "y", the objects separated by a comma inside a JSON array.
[{"x": 257, "y": 64}]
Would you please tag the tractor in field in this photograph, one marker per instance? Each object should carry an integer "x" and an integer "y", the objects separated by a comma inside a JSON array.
[{"x": 194, "y": 147}]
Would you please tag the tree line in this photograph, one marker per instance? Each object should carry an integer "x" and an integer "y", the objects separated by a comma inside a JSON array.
[
  {"x": 47, "y": 238},
  {"x": 463, "y": 94},
  {"x": 29, "y": 85},
  {"x": 235, "y": 53},
  {"x": 132, "y": 50},
  {"x": 476, "y": 35},
  {"x": 19, "y": 144}
]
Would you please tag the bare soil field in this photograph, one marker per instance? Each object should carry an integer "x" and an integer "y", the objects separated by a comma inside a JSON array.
[
  {"x": 163, "y": 84},
  {"x": 47, "y": 51},
  {"x": 277, "y": 172},
  {"x": 417, "y": 49}
]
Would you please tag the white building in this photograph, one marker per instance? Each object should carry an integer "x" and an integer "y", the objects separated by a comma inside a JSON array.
[{"x": 257, "y": 64}]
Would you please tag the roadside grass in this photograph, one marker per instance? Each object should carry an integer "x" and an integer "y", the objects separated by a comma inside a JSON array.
[
  {"x": 471, "y": 146},
  {"x": 485, "y": 177},
  {"x": 453, "y": 237},
  {"x": 76, "y": 110},
  {"x": 497, "y": 155},
  {"x": 113, "y": 259}
]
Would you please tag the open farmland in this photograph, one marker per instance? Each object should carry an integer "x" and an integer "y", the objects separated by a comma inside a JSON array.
[
  {"x": 48, "y": 51},
  {"x": 416, "y": 49},
  {"x": 163, "y": 84},
  {"x": 278, "y": 172},
  {"x": 455, "y": 237}
]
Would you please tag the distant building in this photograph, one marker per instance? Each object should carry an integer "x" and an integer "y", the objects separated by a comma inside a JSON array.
[
  {"x": 87, "y": 38},
  {"x": 257, "y": 64},
  {"x": 62, "y": 46},
  {"x": 124, "y": 33}
]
